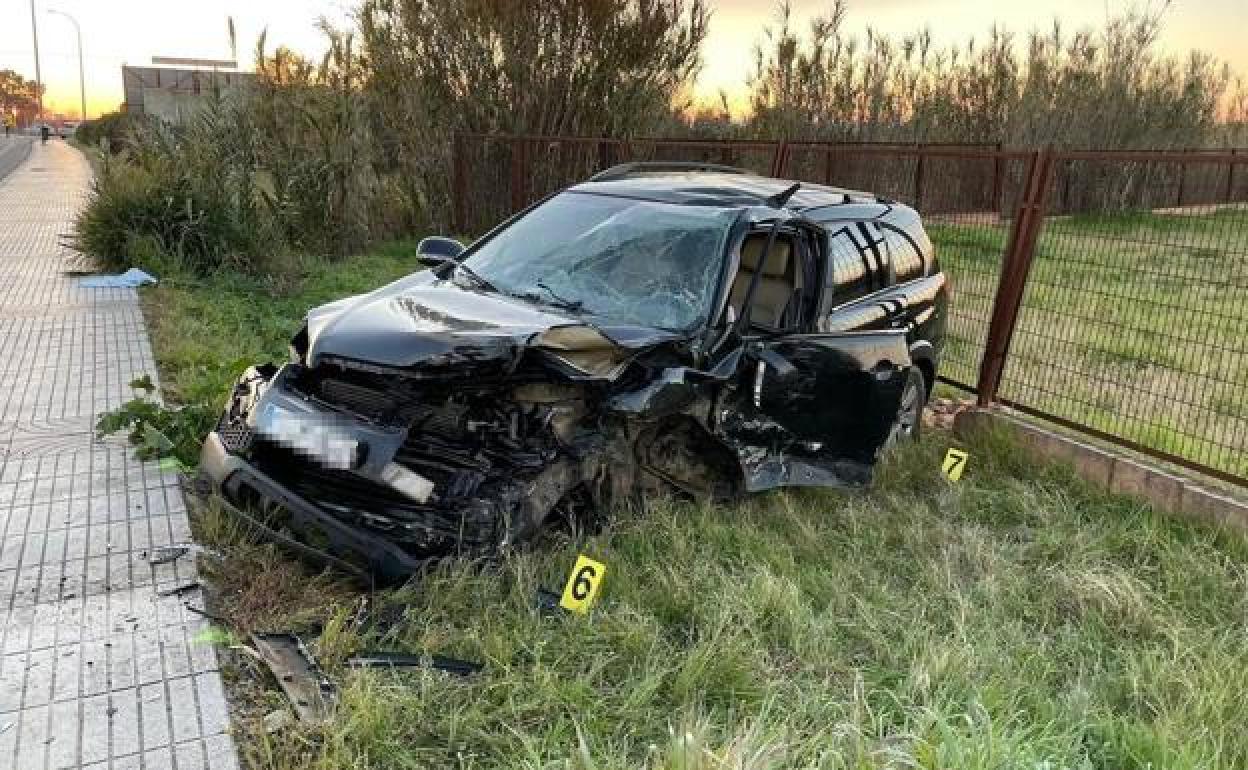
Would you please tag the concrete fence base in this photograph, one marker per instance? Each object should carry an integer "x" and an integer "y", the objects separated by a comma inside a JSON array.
[{"x": 1113, "y": 471}]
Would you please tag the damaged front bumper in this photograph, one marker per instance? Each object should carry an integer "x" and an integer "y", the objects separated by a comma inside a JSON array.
[
  {"x": 372, "y": 495},
  {"x": 248, "y": 490}
]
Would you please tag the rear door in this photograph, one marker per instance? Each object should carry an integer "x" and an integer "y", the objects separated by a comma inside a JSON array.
[{"x": 811, "y": 406}]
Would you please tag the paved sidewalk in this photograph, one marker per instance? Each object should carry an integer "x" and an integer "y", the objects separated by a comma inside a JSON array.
[{"x": 96, "y": 669}]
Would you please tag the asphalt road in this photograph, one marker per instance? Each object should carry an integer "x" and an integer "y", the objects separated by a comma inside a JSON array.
[{"x": 13, "y": 150}]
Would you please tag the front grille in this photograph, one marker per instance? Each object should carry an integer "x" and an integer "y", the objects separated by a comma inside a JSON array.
[
  {"x": 235, "y": 435},
  {"x": 356, "y": 398}
]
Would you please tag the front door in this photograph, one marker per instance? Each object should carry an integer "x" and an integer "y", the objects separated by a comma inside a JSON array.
[{"x": 815, "y": 409}]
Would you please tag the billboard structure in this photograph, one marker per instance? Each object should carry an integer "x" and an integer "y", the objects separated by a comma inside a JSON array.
[{"x": 175, "y": 93}]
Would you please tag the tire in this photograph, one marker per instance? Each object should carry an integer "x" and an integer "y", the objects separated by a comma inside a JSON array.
[{"x": 910, "y": 412}]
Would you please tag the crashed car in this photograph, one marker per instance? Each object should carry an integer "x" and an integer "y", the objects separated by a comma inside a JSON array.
[{"x": 689, "y": 328}]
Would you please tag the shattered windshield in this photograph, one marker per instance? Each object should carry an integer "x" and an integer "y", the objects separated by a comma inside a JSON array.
[{"x": 624, "y": 260}]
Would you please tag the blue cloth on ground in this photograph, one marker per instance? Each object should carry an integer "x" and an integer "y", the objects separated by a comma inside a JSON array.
[{"x": 127, "y": 280}]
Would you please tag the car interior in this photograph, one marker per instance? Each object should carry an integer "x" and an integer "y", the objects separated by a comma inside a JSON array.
[{"x": 776, "y": 300}]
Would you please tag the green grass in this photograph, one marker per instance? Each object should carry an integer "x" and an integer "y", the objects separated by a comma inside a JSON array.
[
  {"x": 1017, "y": 619},
  {"x": 1133, "y": 323}
]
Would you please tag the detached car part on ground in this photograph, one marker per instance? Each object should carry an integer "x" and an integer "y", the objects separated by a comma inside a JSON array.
[{"x": 703, "y": 331}]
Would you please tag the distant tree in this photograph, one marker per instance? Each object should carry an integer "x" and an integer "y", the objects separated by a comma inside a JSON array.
[{"x": 18, "y": 96}]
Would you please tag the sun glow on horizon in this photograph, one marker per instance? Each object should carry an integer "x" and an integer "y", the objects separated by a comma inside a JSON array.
[{"x": 132, "y": 31}]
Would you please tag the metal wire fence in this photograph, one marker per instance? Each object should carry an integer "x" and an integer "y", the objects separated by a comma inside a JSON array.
[
  {"x": 1105, "y": 291},
  {"x": 1134, "y": 317}
]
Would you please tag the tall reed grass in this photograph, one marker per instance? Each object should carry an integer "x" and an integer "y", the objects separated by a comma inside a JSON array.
[
  {"x": 1107, "y": 88},
  {"x": 325, "y": 157}
]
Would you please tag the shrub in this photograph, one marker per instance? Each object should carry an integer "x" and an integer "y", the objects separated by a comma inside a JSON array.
[
  {"x": 311, "y": 140},
  {"x": 112, "y": 133},
  {"x": 188, "y": 190},
  {"x": 603, "y": 68},
  {"x": 284, "y": 166}
]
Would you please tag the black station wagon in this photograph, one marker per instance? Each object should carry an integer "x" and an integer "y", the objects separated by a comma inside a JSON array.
[{"x": 678, "y": 328}]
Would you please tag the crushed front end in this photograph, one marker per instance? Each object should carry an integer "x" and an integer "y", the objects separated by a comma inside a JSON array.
[{"x": 390, "y": 468}]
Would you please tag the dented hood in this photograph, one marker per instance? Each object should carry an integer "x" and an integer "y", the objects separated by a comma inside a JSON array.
[{"x": 425, "y": 321}]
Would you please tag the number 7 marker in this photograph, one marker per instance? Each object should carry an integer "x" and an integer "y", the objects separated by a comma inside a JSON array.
[
  {"x": 583, "y": 584},
  {"x": 954, "y": 464}
]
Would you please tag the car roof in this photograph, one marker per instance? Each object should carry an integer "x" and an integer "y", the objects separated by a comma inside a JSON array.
[{"x": 734, "y": 188}]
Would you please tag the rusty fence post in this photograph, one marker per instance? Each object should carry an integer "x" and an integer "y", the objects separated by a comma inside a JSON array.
[
  {"x": 1182, "y": 180},
  {"x": 998, "y": 179},
  {"x": 459, "y": 184},
  {"x": 519, "y": 165},
  {"x": 605, "y": 159},
  {"x": 920, "y": 170},
  {"x": 1230, "y": 178},
  {"x": 1016, "y": 265},
  {"x": 827, "y": 164},
  {"x": 779, "y": 158}
]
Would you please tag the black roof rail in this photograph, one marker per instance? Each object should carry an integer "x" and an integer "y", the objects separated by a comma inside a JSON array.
[{"x": 624, "y": 169}]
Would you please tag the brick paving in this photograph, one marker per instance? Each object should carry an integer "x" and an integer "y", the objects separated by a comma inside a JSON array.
[{"x": 96, "y": 668}]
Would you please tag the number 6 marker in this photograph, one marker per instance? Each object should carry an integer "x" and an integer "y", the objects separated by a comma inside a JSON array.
[{"x": 583, "y": 584}]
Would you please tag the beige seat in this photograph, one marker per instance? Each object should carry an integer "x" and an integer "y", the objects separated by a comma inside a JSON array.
[{"x": 777, "y": 286}]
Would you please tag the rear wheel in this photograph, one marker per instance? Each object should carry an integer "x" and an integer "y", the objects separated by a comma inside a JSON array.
[{"x": 910, "y": 412}]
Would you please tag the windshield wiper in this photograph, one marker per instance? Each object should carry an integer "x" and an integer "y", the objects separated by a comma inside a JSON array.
[
  {"x": 575, "y": 305},
  {"x": 481, "y": 282}
]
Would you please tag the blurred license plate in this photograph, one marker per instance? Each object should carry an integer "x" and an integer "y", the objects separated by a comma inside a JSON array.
[{"x": 312, "y": 435}]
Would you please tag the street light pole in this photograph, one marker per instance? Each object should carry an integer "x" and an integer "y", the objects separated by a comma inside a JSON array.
[
  {"x": 82, "y": 83},
  {"x": 34, "y": 30}
]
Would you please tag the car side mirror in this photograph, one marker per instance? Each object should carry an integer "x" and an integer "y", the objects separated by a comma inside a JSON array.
[{"x": 437, "y": 250}]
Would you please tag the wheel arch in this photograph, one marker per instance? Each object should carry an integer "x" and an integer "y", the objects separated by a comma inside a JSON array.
[{"x": 923, "y": 355}]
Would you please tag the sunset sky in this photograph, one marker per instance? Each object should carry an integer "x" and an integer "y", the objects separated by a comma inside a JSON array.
[{"x": 132, "y": 31}]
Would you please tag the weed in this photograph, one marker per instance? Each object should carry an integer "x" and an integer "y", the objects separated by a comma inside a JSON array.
[{"x": 158, "y": 431}]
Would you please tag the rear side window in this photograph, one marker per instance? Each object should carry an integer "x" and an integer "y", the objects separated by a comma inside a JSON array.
[
  {"x": 849, "y": 274},
  {"x": 907, "y": 261}
]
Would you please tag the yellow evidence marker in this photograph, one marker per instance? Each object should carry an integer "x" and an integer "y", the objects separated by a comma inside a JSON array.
[
  {"x": 583, "y": 584},
  {"x": 954, "y": 464}
]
